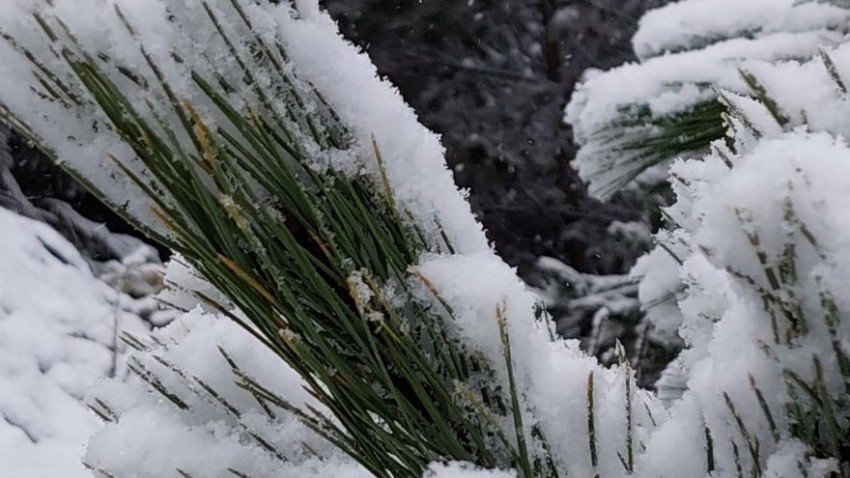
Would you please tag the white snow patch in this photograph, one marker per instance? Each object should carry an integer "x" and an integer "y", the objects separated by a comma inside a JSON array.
[{"x": 56, "y": 333}]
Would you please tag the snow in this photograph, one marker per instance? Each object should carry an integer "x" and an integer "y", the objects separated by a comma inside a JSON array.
[
  {"x": 798, "y": 88},
  {"x": 56, "y": 340},
  {"x": 717, "y": 267},
  {"x": 462, "y": 470},
  {"x": 682, "y": 25},
  {"x": 414, "y": 157},
  {"x": 216, "y": 432},
  {"x": 722, "y": 36},
  {"x": 420, "y": 182},
  {"x": 725, "y": 325},
  {"x": 674, "y": 83},
  {"x": 553, "y": 375},
  {"x": 423, "y": 185},
  {"x": 785, "y": 185},
  {"x": 737, "y": 211}
]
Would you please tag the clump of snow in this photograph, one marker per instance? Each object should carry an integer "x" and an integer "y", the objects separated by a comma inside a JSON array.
[
  {"x": 414, "y": 157},
  {"x": 675, "y": 83},
  {"x": 658, "y": 288},
  {"x": 809, "y": 97},
  {"x": 550, "y": 373},
  {"x": 733, "y": 344},
  {"x": 684, "y": 24},
  {"x": 57, "y": 330}
]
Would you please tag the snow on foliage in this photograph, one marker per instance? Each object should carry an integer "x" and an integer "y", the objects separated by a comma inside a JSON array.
[
  {"x": 56, "y": 337},
  {"x": 758, "y": 237},
  {"x": 688, "y": 51},
  {"x": 761, "y": 304},
  {"x": 687, "y": 24},
  {"x": 806, "y": 97},
  {"x": 758, "y": 246},
  {"x": 416, "y": 172},
  {"x": 217, "y": 425}
]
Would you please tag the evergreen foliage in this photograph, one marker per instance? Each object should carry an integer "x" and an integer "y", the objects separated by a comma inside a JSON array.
[
  {"x": 670, "y": 107},
  {"x": 317, "y": 260},
  {"x": 249, "y": 175}
]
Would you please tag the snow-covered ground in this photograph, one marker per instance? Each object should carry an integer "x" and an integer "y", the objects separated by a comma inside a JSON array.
[{"x": 57, "y": 326}]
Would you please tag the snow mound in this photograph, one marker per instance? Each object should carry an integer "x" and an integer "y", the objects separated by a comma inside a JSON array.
[{"x": 57, "y": 325}]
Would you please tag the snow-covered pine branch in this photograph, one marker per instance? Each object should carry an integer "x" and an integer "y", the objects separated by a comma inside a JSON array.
[
  {"x": 761, "y": 309},
  {"x": 755, "y": 262},
  {"x": 639, "y": 115},
  {"x": 233, "y": 125}
]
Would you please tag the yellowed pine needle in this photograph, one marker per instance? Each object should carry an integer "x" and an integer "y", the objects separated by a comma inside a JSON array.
[
  {"x": 234, "y": 267},
  {"x": 384, "y": 177},
  {"x": 202, "y": 133}
]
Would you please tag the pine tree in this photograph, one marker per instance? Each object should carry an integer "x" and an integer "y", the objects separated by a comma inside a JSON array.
[{"x": 358, "y": 299}]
